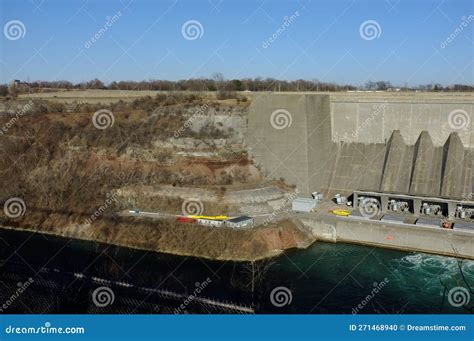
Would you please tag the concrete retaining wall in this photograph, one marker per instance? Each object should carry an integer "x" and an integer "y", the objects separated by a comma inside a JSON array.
[
  {"x": 395, "y": 236},
  {"x": 281, "y": 134},
  {"x": 374, "y": 121},
  {"x": 302, "y": 149}
]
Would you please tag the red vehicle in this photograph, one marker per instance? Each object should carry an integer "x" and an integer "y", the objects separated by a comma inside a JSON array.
[{"x": 185, "y": 220}]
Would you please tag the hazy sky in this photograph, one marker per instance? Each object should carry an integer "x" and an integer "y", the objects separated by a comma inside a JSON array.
[{"x": 407, "y": 41}]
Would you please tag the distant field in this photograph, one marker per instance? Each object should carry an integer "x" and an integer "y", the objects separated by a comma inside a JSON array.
[
  {"x": 108, "y": 96},
  {"x": 96, "y": 96}
]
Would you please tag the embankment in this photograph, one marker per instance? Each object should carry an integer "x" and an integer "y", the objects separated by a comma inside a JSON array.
[{"x": 177, "y": 239}]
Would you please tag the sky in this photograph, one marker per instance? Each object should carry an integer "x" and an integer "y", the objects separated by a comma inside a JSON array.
[{"x": 406, "y": 42}]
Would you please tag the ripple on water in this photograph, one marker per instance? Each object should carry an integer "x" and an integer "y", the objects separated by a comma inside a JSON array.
[
  {"x": 434, "y": 265},
  {"x": 468, "y": 268}
]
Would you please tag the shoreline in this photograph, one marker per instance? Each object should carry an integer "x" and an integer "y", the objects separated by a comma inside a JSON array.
[
  {"x": 342, "y": 232},
  {"x": 301, "y": 244},
  {"x": 390, "y": 235}
]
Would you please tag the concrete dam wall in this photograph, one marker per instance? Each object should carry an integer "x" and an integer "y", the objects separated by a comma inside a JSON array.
[
  {"x": 378, "y": 118},
  {"x": 298, "y": 137}
]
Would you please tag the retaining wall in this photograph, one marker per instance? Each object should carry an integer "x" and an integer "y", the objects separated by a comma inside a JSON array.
[
  {"x": 392, "y": 235},
  {"x": 381, "y": 117},
  {"x": 295, "y": 137}
]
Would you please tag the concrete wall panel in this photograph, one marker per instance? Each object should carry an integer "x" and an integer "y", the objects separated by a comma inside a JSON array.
[
  {"x": 365, "y": 156},
  {"x": 409, "y": 117}
]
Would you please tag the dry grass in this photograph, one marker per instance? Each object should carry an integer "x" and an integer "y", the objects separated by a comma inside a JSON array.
[{"x": 65, "y": 169}]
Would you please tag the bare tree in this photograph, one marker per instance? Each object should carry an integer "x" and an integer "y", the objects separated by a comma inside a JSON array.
[
  {"x": 257, "y": 270},
  {"x": 218, "y": 80}
]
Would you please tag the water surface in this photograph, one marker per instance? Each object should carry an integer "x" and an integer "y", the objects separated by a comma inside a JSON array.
[{"x": 325, "y": 278}]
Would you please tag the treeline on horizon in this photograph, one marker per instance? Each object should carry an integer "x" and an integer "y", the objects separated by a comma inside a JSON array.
[{"x": 219, "y": 84}]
